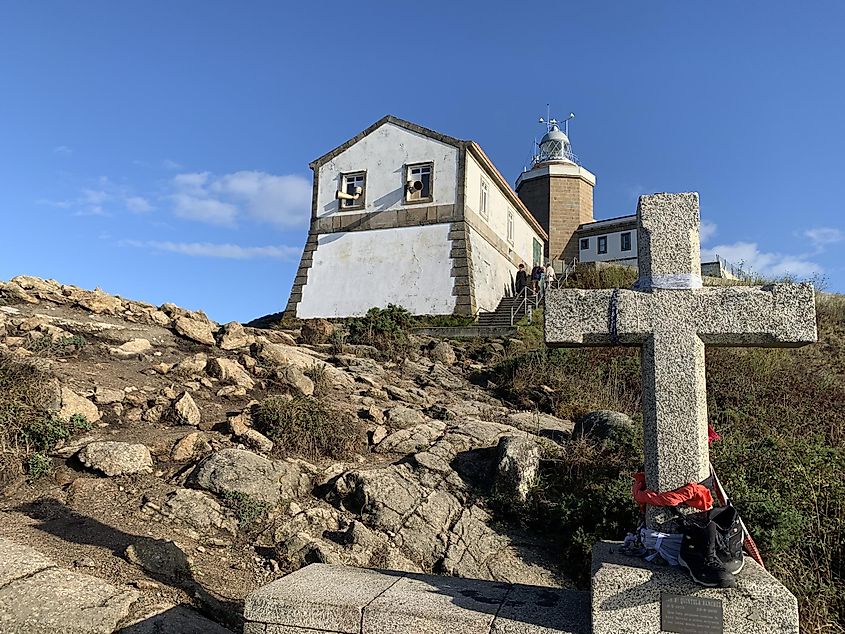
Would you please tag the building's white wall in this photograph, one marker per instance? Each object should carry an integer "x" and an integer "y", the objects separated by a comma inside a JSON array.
[
  {"x": 384, "y": 154},
  {"x": 492, "y": 273},
  {"x": 614, "y": 247},
  {"x": 353, "y": 271},
  {"x": 498, "y": 206}
]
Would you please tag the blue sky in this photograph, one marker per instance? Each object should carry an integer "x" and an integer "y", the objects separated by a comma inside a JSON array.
[{"x": 160, "y": 150}]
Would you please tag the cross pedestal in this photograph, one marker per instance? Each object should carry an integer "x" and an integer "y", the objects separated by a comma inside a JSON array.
[{"x": 671, "y": 318}]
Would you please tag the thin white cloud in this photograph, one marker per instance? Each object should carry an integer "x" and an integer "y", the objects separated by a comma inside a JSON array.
[
  {"x": 62, "y": 150},
  {"x": 61, "y": 204},
  {"x": 283, "y": 200},
  {"x": 823, "y": 236},
  {"x": 102, "y": 199},
  {"x": 227, "y": 251},
  {"x": 204, "y": 209},
  {"x": 749, "y": 257},
  {"x": 170, "y": 164},
  {"x": 707, "y": 230},
  {"x": 138, "y": 204}
]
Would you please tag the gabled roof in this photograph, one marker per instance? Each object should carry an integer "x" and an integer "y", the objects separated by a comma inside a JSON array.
[
  {"x": 462, "y": 145},
  {"x": 413, "y": 127}
]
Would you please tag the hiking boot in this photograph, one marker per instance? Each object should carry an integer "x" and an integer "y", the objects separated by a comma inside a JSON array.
[
  {"x": 729, "y": 538},
  {"x": 698, "y": 556}
]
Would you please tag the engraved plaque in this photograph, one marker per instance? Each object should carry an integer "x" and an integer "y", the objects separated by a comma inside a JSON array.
[{"x": 690, "y": 615}]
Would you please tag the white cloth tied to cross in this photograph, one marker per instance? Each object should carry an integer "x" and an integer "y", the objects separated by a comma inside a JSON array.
[{"x": 676, "y": 281}]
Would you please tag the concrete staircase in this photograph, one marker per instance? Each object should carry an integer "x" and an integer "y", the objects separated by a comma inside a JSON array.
[{"x": 501, "y": 317}]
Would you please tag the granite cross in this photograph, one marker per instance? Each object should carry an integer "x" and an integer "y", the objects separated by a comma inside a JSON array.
[{"x": 672, "y": 317}]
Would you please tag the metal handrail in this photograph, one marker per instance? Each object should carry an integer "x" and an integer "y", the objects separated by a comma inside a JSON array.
[
  {"x": 526, "y": 301},
  {"x": 518, "y": 303}
]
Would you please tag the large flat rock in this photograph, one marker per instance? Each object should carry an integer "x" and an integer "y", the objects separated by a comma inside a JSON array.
[
  {"x": 37, "y": 597},
  {"x": 626, "y": 595},
  {"x": 322, "y": 598}
]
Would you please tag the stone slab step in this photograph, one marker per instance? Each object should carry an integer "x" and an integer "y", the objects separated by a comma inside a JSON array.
[
  {"x": 626, "y": 595},
  {"x": 340, "y": 600},
  {"x": 38, "y": 597}
]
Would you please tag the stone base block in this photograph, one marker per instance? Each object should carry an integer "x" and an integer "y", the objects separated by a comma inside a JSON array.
[
  {"x": 626, "y": 595},
  {"x": 334, "y": 599}
]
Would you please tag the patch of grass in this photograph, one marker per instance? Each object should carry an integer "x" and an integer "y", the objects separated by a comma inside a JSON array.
[
  {"x": 308, "y": 426},
  {"x": 45, "y": 433},
  {"x": 319, "y": 374},
  {"x": 64, "y": 347},
  {"x": 38, "y": 465},
  {"x": 590, "y": 276},
  {"x": 581, "y": 380},
  {"x": 246, "y": 508},
  {"x": 337, "y": 341}
]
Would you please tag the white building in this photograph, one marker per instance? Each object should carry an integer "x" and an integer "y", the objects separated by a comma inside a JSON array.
[{"x": 405, "y": 215}]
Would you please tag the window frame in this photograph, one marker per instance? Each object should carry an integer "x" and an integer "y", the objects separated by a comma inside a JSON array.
[
  {"x": 622, "y": 236},
  {"x": 584, "y": 244},
  {"x": 407, "y": 173},
  {"x": 484, "y": 200},
  {"x": 601, "y": 240},
  {"x": 357, "y": 204},
  {"x": 510, "y": 227}
]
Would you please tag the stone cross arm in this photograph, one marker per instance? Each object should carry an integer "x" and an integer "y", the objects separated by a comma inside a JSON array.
[{"x": 779, "y": 315}]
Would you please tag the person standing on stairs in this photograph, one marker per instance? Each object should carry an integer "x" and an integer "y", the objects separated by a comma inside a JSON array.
[{"x": 521, "y": 279}]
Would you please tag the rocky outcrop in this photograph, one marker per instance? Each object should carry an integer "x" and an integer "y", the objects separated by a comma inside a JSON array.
[
  {"x": 424, "y": 506},
  {"x": 230, "y": 372},
  {"x": 194, "y": 329},
  {"x": 233, "y": 337},
  {"x": 185, "y": 411},
  {"x": 116, "y": 458},
  {"x": 132, "y": 348},
  {"x": 198, "y": 510},
  {"x": 247, "y": 473},
  {"x": 605, "y": 425},
  {"x": 444, "y": 353},
  {"x": 73, "y": 403},
  {"x": 517, "y": 466},
  {"x": 316, "y": 331}
]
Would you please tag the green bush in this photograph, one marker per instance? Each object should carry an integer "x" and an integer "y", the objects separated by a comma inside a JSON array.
[
  {"x": 384, "y": 328},
  {"x": 246, "y": 508},
  {"x": 39, "y": 464},
  {"x": 27, "y": 393},
  {"x": 308, "y": 426},
  {"x": 43, "y": 434},
  {"x": 592, "y": 276}
]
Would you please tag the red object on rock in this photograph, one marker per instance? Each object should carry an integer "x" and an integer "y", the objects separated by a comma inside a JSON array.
[{"x": 693, "y": 494}]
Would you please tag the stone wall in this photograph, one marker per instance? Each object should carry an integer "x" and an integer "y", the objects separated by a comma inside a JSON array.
[{"x": 560, "y": 204}]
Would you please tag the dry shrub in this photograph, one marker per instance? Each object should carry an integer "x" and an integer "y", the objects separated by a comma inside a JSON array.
[
  {"x": 27, "y": 395},
  {"x": 29, "y": 425},
  {"x": 308, "y": 426}
]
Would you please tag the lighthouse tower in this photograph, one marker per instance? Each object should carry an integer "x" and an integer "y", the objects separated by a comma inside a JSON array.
[{"x": 558, "y": 191}]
